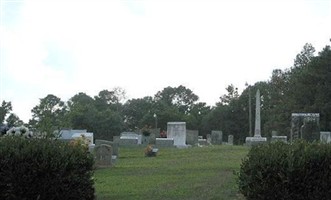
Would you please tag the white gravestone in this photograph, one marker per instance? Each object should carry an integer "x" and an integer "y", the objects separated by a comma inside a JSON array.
[{"x": 177, "y": 131}]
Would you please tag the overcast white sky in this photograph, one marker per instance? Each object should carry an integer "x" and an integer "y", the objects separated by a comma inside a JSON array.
[{"x": 64, "y": 47}]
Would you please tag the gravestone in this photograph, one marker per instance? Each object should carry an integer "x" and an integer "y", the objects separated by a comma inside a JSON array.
[
  {"x": 274, "y": 133},
  {"x": 114, "y": 145},
  {"x": 305, "y": 126},
  {"x": 129, "y": 139},
  {"x": 116, "y": 139},
  {"x": 257, "y": 139},
  {"x": 325, "y": 137},
  {"x": 230, "y": 139},
  {"x": 216, "y": 137},
  {"x": 208, "y": 136},
  {"x": 202, "y": 142},
  {"x": 192, "y": 137},
  {"x": 177, "y": 131},
  {"x": 164, "y": 142},
  {"x": 103, "y": 155},
  {"x": 279, "y": 138}
]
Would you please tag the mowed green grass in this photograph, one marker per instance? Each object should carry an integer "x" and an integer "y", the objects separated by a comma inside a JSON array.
[{"x": 192, "y": 173}]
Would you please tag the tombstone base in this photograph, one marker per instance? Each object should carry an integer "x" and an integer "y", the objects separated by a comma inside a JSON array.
[
  {"x": 250, "y": 141},
  {"x": 183, "y": 146},
  {"x": 279, "y": 138}
]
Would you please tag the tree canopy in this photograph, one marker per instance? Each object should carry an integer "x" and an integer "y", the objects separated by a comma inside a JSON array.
[{"x": 303, "y": 87}]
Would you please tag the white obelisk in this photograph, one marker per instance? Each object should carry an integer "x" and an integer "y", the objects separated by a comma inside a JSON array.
[{"x": 257, "y": 131}]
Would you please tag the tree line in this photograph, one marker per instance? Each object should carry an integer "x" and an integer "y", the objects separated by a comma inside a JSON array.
[{"x": 304, "y": 87}]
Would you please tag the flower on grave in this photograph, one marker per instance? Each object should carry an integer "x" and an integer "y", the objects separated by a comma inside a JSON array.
[
  {"x": 19, "y": 131},
  {"x": 149, "y": 150},
  {"x": 81, "y": 141},
  {"x": 146, "y": 130}
]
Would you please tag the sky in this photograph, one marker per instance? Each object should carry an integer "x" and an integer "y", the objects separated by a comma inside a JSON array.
[{"x": 63, "y": 47}]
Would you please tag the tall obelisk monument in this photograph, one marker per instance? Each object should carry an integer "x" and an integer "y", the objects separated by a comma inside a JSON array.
[
  {"x": 257, "y": 131},
  {"x": 257, "y": 139}
]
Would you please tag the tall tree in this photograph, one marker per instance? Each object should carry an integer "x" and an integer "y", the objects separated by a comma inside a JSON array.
[
  {"x": 305, "y": 56},
  {"x": 49, "y": 115},
  {"x": 5, "y": 109},
  {"x": 13, "y": 120},
  {"x": 181, "y": 97},
  {"x": 135, "y": 111},
  {"x": 232, "y": 94}
]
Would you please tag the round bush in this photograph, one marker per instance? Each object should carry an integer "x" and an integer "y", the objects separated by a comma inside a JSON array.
[
  {"x": 44, "y": 169},
  {"x": 286, "y": 171}
]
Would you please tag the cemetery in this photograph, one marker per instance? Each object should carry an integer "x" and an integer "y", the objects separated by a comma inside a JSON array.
[
  {"x": 179, "y": 163},
  {"x": 275, "y": 144}
]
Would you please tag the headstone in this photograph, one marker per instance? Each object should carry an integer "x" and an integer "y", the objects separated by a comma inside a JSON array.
[
  {"x": 230, "y": 139},
  {"x": 305, "y": 126},
  {"x": 145, "y": 139},
  {"x": 103, "y": 155},
  {"x": 325, "y": 136},
  {"x": 192, "y": 137},
  {"x": 257, "y": 139},
  {"x": 164, "y": 142},
  {"x": 216, "y": 137},
  {"x": 274, "y": 133},
  {"x": 66, "y": 134},
  {"x": 177, "y": 131},
  {"x": 208, "y": 136},
  {"x": 129, "y": 139},
  {"x": 202, "y": 142},
  {"x": 279, "y": 138},
  {"x": 114, "y": 145},
  {"x": 116, "y": 139}
]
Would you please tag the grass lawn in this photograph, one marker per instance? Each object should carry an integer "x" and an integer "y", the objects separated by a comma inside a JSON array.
[{"x": 192, "y": 173}]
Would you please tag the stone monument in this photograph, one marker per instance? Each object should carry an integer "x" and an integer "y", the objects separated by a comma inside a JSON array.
[
  {"x": 305, "y": 126},
  {"x": 257, "y": 132},
  {"x": 177, "y": 131},
  {"x": 216, "y": 137}
]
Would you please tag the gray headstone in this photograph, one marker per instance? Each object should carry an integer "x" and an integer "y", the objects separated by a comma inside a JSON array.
[
  {"x": 192, "y": 137},
  {"x": 279, "y": 138},
  {"x": 325, "y": 136},
  {"x": 274, "y": 133},
  {"x": 177, "y": 131},
  {"x": 216, "y": 137},
  {"x": 202, "y": 142},
  {"x": 130, "y": 138},
  {"x": 103, "y": 155},
  {"x": 305, "y": 126},
  {"x": 114, "y": 145},
  {"x": 116, "y": 139},
  {"x": 164, "y": 142},
  {"x": 208, "y": 136},
  {"x": 230, "y": 139}
]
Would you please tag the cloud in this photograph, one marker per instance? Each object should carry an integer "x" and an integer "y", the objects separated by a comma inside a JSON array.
[{"x": 66, "y": 47}]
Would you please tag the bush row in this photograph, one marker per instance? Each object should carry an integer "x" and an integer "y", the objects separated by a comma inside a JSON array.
[
  {"x": 287, "y": 171},
  {"x": 44, "y": 169}
]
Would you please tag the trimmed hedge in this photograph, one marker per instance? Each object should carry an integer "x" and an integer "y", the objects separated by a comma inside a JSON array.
[
  {"x": 287, "y": 171},
  {"x": 44, "y": 169}
]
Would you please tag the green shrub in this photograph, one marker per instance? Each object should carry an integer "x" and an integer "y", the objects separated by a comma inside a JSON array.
[
  {"x": 286, "y": 171},
  {"x": 44, "y": 169}
]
